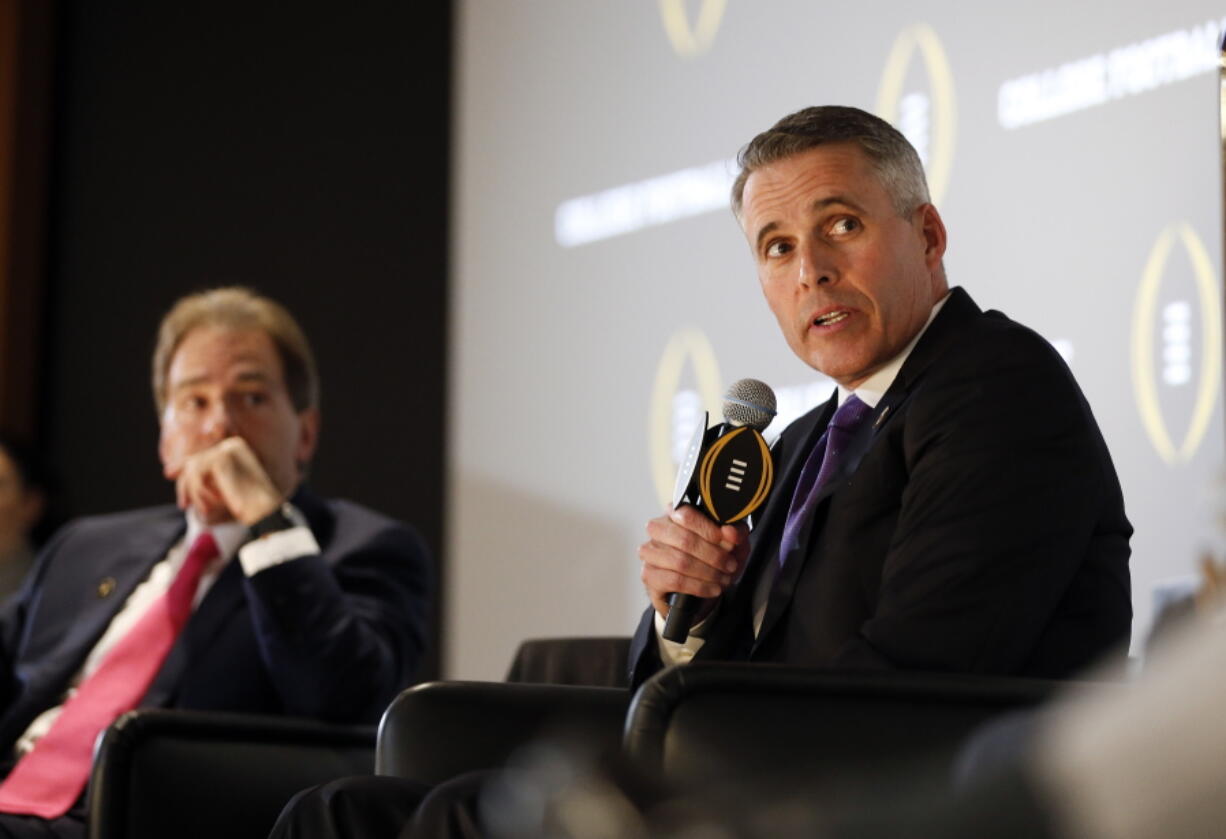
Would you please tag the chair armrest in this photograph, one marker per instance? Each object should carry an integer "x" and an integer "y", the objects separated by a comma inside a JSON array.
[
  {"x": 437, "y": 730},
  {"x": 189, "y": 774},
  {"x": 711, "y": 721}
]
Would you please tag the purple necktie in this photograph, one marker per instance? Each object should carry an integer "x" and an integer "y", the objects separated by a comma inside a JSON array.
[{"x": 822, "y": 464}]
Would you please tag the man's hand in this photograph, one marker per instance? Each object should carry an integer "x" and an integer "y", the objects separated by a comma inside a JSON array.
[
  {"x": 688, "y": 553},
  {"x": 226, "y": 481}
]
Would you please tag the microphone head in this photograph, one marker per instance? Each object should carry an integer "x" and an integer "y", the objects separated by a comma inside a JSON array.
[{"x": 749, "y": 402}]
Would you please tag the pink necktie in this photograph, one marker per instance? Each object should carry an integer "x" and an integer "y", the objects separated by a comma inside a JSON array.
[{"x": 49, "y": 778}]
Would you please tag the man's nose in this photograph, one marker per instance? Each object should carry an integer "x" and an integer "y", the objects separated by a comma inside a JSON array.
[
  {"x": 219, "y": 423},
  {"x": 816, "y": 268}
]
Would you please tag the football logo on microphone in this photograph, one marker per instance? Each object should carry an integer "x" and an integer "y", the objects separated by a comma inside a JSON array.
[
  {"x": 736, "y": 475},
  {"x": 728, "y": 469},
  {"x": 928, "y": 119}
]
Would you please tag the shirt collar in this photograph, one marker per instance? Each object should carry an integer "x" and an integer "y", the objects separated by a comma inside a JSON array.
[
  {"x": 228, "y": 535},
  {"x": 872, "y": 389}
]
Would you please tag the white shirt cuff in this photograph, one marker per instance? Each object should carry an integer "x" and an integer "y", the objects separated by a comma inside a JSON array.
[
  {"x": 673, "y": 652},
  {"x": 275, "y": 548}
]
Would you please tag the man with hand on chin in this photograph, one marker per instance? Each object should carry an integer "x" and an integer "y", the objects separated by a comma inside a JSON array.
[
  {"x": 210, "y": 436},
  {"x": 252, "y": 595},
  {"x": 953, "y": 506}
]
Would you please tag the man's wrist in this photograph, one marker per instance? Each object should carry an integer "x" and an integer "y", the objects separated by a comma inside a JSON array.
[
  {"x": 674, "y": 652},
  {"x": 281, "y": 518},
  {"x": 274, "y": 547}
]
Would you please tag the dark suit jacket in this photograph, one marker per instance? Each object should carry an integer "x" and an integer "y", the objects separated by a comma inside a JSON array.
[
  {"x": 333, "y": 636},
  {"x": 978, "y": 525}
]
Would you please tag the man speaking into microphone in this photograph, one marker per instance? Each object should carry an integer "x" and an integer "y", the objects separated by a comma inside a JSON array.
[{"x": 953, "y": 507}]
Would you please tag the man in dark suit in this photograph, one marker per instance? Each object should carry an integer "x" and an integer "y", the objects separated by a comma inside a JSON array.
[
  {"x": 973, "y": 521},
  {"x": 296, "y": 605},
  {"x": 970, "y": 520}
]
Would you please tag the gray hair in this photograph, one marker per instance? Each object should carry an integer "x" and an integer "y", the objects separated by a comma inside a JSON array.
[{"x": 892, "y": 157}]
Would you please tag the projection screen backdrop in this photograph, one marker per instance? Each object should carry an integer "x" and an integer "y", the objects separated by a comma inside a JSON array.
[{"x": 603, "y": 295}]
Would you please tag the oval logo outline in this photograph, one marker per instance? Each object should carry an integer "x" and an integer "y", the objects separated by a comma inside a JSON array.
[
  {"x": 1144, "y": 376},
  {"x": 692, "y": 344},
  {"x": 687, "y": 41},
  {"x": 764, "y": 480},
  {"x": 945, "y": 109}
]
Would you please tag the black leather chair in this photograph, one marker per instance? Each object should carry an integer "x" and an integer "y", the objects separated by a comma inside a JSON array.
[
  {"x": 724, "y": 730},
  {"x": 438, "y": 730},
  {"x": 740, "y": 722},
  {"x": 186, "y": 774},
  {"x": 555, "y": 686},
  {"x": 592, "y": 662},
  {"x": 192, "y": 775}
]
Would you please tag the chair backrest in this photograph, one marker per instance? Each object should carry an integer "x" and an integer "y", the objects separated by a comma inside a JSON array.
[
  {"x": 186, "y": 774},
  {"x": 739, "y": 721},
  {"x": 595, "y": 662},
  {"x": 435, "y": 731}
]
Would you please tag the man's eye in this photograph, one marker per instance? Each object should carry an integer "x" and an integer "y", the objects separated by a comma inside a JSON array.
[
  {"x": 775, "y": 249},
  {"x": 254, "y": 399},
  {"x": 192, "y": 403},
  {"x": 845, "y": 225}
]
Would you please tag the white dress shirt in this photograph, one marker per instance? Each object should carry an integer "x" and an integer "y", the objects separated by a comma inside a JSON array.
[{"x": 254, "y": 556}]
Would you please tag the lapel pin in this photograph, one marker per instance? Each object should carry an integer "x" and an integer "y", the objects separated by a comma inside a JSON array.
[
  {"x": 881, "y": 417},
  {"x": 105, "y": 586}
]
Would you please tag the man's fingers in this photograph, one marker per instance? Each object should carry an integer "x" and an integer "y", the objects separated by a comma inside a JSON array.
[
  {"x": 735, "y": 534},
  {"x": 702, "y": 544},
  {"x": 194, "y": 494},
  {"x": 197, "y": 490},
  {"x": 666, "y": 570},
  {"x": 696, "y": 521},
  {"x": 738, "y": 536},
  {"x": 669, "y": 558},
  {"x": 661, "y": 582},
  {"x": 659, "y": 604},
  {"x": 728, "y": 537},
  {"x": 227, "y": 480},
  {"x": 687, "y": 553},
  {"x": 186, "y": 484}
]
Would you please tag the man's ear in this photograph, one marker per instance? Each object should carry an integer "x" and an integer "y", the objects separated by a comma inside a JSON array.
[
  {"x": 308, "y": 436},
  {"x": 933, "y": 231}
]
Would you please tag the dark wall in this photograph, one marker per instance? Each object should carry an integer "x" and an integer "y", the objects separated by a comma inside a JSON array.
[{"x": 300, "y": 148}]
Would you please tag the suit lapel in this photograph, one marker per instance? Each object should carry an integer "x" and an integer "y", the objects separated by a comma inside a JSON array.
[
  {"x": 957, "y": 309},
  {"x": 944, "y": 329},
  {"x": 224, "y": 598},
  {"x": 785, "y": 585},
  {"x": 127, "y": 567},
  {"x": 116, "y": 568},
  {"x": 808, "y": 430}
]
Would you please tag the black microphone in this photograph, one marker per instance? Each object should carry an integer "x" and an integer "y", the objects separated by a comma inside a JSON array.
[{"x": 727, "y": 473}]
